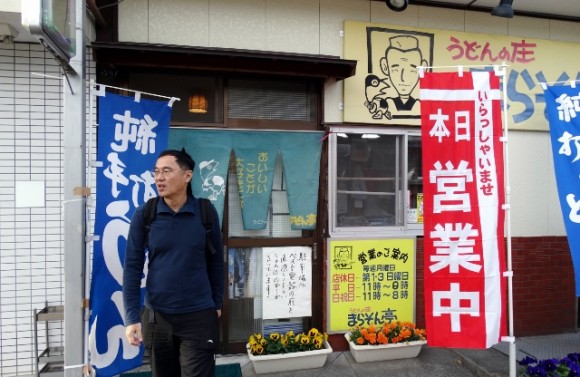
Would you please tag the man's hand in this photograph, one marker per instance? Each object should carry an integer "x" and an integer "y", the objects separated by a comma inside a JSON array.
[
  {"x": 133, "y": 334},
  {"x": 219, "y": 313}
]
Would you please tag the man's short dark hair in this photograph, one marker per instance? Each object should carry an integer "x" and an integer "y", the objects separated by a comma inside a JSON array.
[{"x": 182, "y": 158}]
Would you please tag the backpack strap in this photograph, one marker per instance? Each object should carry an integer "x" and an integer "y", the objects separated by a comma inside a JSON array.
[
  {"x": 207, "y": 219},
  {"x": 149, "y": 215}
]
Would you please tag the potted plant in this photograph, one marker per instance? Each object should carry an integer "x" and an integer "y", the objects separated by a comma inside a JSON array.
[
  {"x": 283, "y": 352},
  {"x": 388, "y": 341},
  {"x": 565, "y": 367}
]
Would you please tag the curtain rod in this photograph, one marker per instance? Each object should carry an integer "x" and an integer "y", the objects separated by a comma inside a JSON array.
[
  {"x": 496, "y": 67},
  {"x": 572, "y": 83},
  {"x": 101, "y": 92}
]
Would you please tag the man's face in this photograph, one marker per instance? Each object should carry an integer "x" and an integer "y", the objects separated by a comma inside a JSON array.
[
  {"x": 171, "y": 180},
  {"x": 403, "y": 70}
]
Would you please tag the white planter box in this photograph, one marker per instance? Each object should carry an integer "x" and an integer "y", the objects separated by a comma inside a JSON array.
[
  {"x": 289, "y": 361},
  {"x": 365, "y": 354}
]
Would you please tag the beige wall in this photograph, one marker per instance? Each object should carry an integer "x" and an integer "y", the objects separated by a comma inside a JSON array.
[
  {"x": 10, "y": 6},
  {"x": 303, "y": 26},
  {"x": 315, "y": 27}
]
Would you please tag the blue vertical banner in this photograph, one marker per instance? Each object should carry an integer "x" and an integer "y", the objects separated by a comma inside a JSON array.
[
  {"x": 563, "y": 110},
  {"x": 131, "y": 133},
  {"x": 255, "y": 162},
  {"x": 301, "y": 159}
]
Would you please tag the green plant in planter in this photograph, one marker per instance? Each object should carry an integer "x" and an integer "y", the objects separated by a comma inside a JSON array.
[
  {"x": 277, "y": 343},
  {"x": 386, "y": 333}
]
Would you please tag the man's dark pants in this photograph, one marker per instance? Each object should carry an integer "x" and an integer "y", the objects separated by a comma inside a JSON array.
[{"x": 181, "y": 344}]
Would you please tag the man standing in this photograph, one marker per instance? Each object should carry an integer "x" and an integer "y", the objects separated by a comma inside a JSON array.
[{"x": 185, "y": 283}]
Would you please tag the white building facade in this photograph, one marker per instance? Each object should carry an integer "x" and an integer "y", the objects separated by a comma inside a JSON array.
[{"x": 32, "y": 263}]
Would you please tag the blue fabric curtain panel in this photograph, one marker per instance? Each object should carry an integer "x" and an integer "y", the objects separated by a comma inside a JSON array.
[
  {"x": 255, "y": 163},
  {"x": 211, "y": 152},
  {"x": 301, "y": 159},
  {"x": 255, "y": 153}
]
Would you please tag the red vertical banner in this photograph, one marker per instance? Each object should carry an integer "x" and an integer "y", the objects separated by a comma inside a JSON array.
[{"x": 463, "y": 165}]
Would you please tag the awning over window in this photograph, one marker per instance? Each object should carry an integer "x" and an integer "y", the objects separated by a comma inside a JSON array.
[{"x": 223, "y": 60}]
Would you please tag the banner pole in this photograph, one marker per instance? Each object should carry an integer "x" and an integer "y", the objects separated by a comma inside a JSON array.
[
  {"x": 510, "y": 338},
  {"x": 101, "y": 87},
  {"x": 75, "y": 196},
  {"x": 87, "y": 369}
]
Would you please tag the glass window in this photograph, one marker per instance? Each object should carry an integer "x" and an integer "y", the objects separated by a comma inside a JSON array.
[
  {"x": 375, "y": 180},
  {"x": 415, "y": 182},
  {"x": 201, "y": 97},
  {"x": 293, "y": 100},
  {"x": 245, "y": 298}
]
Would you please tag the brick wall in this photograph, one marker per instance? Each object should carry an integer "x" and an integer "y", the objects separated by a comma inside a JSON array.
[
  {"x": 544, "y": 296},
  {"x": 543, "y": 286}
]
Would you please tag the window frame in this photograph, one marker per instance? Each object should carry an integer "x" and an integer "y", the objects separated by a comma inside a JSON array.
[{"x": 402, "y": 201}]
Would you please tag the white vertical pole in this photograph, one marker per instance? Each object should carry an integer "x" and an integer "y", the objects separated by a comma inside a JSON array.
[
  {"x": 509, "y": 274},
  {"x": 89, "y": 240},
  {"x": 74, "y": 200}
]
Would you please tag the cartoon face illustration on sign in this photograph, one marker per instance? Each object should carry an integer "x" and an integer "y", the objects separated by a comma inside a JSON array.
[
  {"x": 399, "y": 65},
  {"x": 210, "y": 181},
  {"x": 343, "y": 258},
  {"x": 391, "y": 85}
]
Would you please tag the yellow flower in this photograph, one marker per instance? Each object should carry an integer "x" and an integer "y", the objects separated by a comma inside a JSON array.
[
  {"x": 318, "y": 341},
  {"x": 257, "y": 349},
  {"x": 312, "y": 333},
  {"x": 285, "y": 343}
]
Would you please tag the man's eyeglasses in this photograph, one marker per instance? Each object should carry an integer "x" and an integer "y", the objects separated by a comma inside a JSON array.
[{"x": 166, "y": 172}]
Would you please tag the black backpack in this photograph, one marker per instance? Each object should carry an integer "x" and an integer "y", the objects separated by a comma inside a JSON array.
[{"x": 206, "y": 218}]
